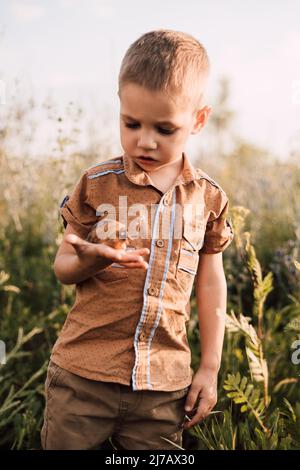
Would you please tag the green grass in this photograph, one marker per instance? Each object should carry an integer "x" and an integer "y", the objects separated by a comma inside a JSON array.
[{"x": 258, "y": 397}]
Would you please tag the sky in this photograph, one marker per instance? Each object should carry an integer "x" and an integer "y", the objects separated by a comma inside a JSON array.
[{"x": 72, "y": 49}]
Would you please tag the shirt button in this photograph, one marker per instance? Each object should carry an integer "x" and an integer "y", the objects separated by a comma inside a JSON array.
[
  {"x": 142, "y": 336},
  {"x": 166, "y": 202},
  {"x": 160, "y": 243},
  {"x": 151, "y": 290}
]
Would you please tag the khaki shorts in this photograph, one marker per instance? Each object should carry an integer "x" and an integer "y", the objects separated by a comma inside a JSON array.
[{"x": 82, "y": 414}]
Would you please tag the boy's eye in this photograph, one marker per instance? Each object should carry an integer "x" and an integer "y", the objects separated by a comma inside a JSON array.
[
  {"x": 131, "y": 126},
  {"x": 161, "y": 130},
  {"x": 166, "y": 131}
]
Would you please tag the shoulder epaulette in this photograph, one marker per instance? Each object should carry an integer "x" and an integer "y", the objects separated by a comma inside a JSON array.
[
  {"x": 114, "y": 165},
  {"x": 202, "y": 175}
]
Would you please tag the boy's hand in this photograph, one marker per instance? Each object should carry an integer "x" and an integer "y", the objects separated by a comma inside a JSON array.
[
  {"x": 204, "y": 386},
  {"x": 92, "y": 253}
]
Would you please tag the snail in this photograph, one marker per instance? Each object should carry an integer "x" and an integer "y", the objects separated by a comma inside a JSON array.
[
  {"x": 114, "y": 234},
  {"x": 110, "y": 232}
]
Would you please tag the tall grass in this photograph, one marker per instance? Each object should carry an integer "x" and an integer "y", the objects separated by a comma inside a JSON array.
[{"x": 259, "y": 398}]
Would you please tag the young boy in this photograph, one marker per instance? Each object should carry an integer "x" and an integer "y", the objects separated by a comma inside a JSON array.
[{"x": 121, "y": 365}]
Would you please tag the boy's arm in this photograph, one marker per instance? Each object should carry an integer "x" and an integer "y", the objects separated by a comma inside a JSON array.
[
  {"x": 211, "y": 296},
  {"x": 77, "y": 260}
]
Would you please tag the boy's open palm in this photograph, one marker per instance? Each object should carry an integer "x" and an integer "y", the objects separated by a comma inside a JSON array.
[{"x": 91, "y": 252}]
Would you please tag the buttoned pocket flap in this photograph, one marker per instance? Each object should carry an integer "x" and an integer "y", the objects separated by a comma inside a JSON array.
[
  {"x": 188, "y": 261},
  {"x": 193, "y": 228}
]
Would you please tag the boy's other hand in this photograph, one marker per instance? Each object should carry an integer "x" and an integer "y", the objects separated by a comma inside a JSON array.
[
  {"x": 106, "y": 254},
  {"x": 204, "y": 387}
]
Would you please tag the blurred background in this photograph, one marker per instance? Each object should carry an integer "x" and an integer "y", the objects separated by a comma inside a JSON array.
[{"x": 59, "y": 64}]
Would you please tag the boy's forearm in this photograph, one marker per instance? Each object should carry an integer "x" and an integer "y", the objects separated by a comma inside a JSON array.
[
  {"x": 211, "y": 303},
  {"x": 70, "y": 269}
]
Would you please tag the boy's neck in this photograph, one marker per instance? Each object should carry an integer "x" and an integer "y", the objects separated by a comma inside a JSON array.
[
  {"x": 164, "y": 178},
  {"x": 174, "y": 168}
]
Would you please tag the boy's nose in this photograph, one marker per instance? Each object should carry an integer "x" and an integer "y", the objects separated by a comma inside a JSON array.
[{"x": 146, "y": 143}]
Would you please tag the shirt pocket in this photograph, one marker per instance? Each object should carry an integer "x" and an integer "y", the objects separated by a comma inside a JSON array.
[
  {"x": 188, "y": 256},
  {"x": 114, "y": 272}
]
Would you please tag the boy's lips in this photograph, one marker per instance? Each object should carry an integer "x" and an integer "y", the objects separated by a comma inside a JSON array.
[{"x": 145, "y": 159}]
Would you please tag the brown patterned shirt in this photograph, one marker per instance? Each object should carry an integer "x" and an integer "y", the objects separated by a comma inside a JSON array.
[{"x": 129, "y": 325}]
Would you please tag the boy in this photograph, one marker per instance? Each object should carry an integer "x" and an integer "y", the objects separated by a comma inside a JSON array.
[{"x": 121, "y": 365}]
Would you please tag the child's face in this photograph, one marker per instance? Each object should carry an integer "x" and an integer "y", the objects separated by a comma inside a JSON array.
[{"x": 153, "y": 125}]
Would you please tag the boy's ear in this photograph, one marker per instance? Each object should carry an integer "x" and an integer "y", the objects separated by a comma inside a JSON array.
[{"x": 201, "y": 118}]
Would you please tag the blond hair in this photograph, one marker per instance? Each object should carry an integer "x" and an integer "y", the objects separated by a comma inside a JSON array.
[{"x": 168, "y": 61}]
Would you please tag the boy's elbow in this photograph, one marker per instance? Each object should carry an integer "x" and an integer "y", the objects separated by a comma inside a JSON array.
[
  {"x": 60, "y": 272},
  {"x": 58, "y": 275}
]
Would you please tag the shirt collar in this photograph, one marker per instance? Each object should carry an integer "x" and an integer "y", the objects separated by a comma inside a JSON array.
[{"x": 138, "y": 176}]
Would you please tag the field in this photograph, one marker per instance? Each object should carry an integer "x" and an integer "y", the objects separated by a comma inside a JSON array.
[{"x": 259, "y": 395}]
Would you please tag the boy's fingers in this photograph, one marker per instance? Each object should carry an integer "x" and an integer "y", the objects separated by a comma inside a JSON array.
[
  {"x": 117, "y": 255},
  {"x": 199, "y": 413},
  {"x": 108, "y": 252},
  {"x": 103, "y": 250},
  {"x": 136, "y": 259},
  {"x": 75, "y": 240},
  {"x": 135, "y": 265},
  {"x": 191, "y": 399},
  {"x": 139, "y": 261},
  {"x": 144, "y": 251}
]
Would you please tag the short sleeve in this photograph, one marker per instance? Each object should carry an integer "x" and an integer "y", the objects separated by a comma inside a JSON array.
[
  {"x": 77, "y": 210},
  {"x": 219, "y": 231}
]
